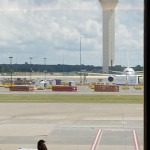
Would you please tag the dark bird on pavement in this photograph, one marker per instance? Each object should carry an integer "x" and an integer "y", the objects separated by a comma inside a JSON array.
[{"x": 41, "y": 145}]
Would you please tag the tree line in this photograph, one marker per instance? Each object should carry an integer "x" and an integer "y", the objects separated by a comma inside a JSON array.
[{"x": 5, "y": 68}]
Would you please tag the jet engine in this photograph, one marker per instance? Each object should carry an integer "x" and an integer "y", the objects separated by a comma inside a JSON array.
[{"x": 110, "y": 79}]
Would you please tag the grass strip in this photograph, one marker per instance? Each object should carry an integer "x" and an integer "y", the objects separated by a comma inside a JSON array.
[{"x": 71, "y": 98}]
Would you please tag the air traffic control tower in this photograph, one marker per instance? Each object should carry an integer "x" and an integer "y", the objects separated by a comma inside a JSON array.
[{"x": 108, "y": 33}]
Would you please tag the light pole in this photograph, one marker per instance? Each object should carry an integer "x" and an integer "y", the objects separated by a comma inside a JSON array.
[
  {"x": 45, "y": 67},
  {"x": 30, "y": 67},
  {"x": 11, "y": 68},
  {"x": 80, "y": 61}
]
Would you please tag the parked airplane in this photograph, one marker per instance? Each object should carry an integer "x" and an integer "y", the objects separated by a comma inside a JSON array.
[{"x": 127, "y": 76}]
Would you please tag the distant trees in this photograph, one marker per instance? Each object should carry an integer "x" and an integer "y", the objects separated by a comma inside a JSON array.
[
  {"x": 5, "y": 68},
  {"x": 116, "y": 68},
  {"x": 138, "y": 68}
]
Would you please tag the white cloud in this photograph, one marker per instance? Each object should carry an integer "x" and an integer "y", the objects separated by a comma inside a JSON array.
[{"x": 53, "y": 28}]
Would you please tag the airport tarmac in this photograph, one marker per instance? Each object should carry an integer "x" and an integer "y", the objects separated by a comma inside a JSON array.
[{"x": 71, "y": 126}]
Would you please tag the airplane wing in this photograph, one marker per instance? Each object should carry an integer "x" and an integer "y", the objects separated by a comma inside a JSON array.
[
  {"x": 139, "y": 72},
  {"x": 97, "y": 74},
  {"x": 116, "y": 72},
  {"x": 92, "y": 74}
]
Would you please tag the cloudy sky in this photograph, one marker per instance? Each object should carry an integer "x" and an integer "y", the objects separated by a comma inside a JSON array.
[{"x": 52, "y": 29}]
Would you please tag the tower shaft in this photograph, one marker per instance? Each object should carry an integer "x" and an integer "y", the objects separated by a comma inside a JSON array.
[{"x": 108, "y": 33}]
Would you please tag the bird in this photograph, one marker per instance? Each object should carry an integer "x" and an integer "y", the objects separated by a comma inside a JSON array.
[{"x": 41, "y": 145}]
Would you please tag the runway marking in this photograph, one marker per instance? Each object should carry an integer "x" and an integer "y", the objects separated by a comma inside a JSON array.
[
  {"x": 136, "y": 142},
  {"x": 98, "y": 138}
]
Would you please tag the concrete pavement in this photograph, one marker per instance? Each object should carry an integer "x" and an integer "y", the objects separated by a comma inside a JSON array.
[{"x": 71, "y": 126}]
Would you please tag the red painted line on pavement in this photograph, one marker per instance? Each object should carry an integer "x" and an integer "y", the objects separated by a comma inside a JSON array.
[
  {"x": 136, "y": 142},
  {"x": 93, "y": 147}
]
